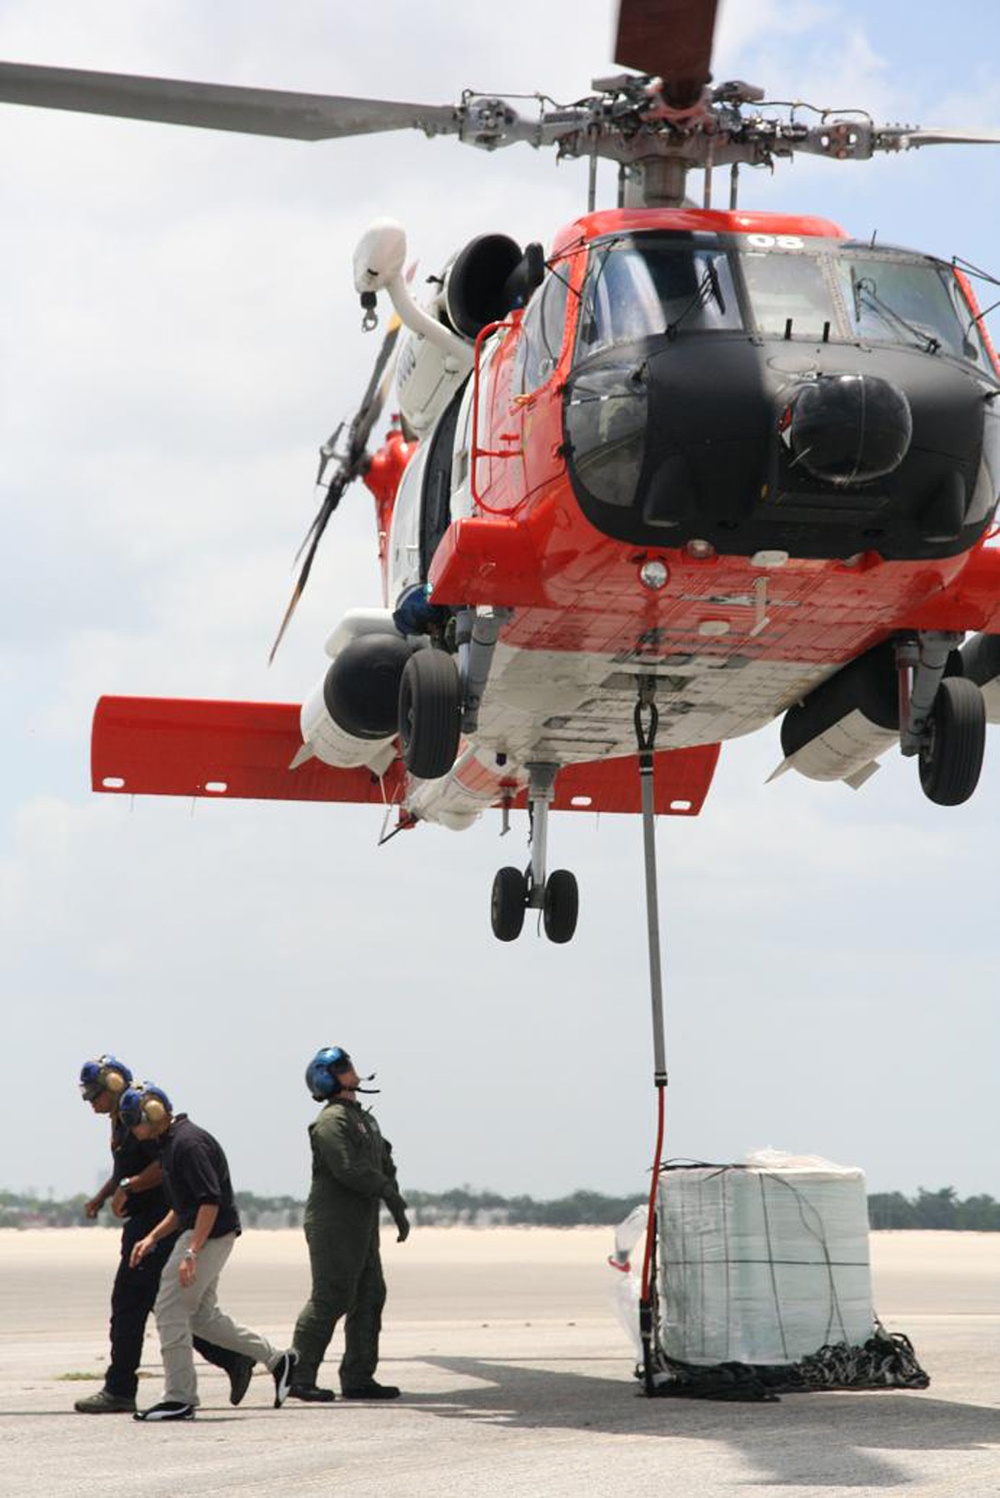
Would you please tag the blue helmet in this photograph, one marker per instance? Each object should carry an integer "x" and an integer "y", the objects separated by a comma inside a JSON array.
[
  {"x": 144, "y": 1104},
  {"x": 105, "y": 1074},
  {"x": 321, "y": 1073}
]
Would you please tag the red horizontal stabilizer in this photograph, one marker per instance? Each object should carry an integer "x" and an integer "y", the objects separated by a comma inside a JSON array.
[
  {"x": 681, "y": 778},
  {"x": 151, "y": 746}
]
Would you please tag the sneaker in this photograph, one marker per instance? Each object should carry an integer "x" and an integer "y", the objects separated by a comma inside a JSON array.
[
  {"x": 105, "y": 1403},
  {"x": 309, "y": 1394},
  {"x": 167, "y": 1409},
  {"x": 371, "y": 1390},
  {"x": 282, "y": 1375},
  {"x": 239, "y": 1378}
]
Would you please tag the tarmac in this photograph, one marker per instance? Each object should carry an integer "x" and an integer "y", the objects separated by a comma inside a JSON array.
[{"x": 517, "y": 1379}]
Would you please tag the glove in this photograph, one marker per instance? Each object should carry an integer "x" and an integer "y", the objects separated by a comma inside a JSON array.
[{"x": 402, "y": 1226}]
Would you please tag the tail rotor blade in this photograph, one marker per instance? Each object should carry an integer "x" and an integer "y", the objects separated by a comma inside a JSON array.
[
  {"x": 309, "y": 546},
  {"x": 350, "y": 465}
]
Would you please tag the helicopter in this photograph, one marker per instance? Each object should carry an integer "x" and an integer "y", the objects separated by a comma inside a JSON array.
[{"x": 737, "y": 464}]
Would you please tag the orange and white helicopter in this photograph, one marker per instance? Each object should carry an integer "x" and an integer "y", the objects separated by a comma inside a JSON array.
[{"x": 686, "y": 471}]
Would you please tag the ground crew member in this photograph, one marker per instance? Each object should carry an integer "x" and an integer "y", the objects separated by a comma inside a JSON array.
[
  {"x": 136, "y": 1193},
  {"x": 352, "y": 1174},
  {"x": 202, "y": 1214}
]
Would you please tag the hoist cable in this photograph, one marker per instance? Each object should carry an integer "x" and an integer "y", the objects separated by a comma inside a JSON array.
[{"x": 646, "y": 720}]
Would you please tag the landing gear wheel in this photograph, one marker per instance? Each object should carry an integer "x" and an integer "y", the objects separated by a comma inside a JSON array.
[
  {"x": 429, "y": 708},
  {"x": 562, "y": 905},
  {"x": 952, "y": 757},
  {"x": 508, "y": 903}
]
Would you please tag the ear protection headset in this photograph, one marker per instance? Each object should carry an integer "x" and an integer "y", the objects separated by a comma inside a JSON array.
[
  {"x": 321, "y": 1078},
  {"x": 106, "y": 1074},
  {"x": 144, "y": 1104}
]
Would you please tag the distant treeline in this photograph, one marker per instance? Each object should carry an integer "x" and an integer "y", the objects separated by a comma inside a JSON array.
[
  {"x": 464, "y": 1207},
  {"x": 934, "y": 1209},
  {"x": 461, "y": 1206}
]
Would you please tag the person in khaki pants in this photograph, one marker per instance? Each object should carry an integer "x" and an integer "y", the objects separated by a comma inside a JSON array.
[
  {"x": 203, "y": 1214},
  {"x": 135, "y": 1193}
]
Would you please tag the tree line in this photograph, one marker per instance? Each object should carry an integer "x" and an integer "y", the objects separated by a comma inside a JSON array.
[
  {"x": 934, "y": 1209},
  {"x": 463, "y": 1206}
]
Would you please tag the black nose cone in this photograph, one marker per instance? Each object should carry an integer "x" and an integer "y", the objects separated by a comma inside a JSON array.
[{"x": 848, "y": 428}]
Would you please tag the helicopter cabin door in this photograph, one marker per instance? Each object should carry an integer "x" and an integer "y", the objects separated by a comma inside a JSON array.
[{"x": 422, "y": 512}]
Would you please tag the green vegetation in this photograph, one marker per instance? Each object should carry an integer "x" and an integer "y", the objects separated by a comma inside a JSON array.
[
  {"x": 486, "y": 1208},
  {"x": 465, "y": 1206},
  {"x": 934, "y": 1209},
  {"x": 20, "y": 1209}
]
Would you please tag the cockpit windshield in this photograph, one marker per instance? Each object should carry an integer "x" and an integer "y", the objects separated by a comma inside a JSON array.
[
  {"x": 894, "y": 300},
  {"x": 638, "y": 288},
  {"x": 650, "y": 285},
  {"x": 789, "y": 294},
  {"x": 841, "y": 293}
]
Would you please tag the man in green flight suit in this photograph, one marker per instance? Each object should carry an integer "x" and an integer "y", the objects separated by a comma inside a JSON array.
[{"x": 352, "y": 1174}]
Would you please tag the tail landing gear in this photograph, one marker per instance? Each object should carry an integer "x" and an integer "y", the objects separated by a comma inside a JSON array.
[{"x": 556, "y": 896}]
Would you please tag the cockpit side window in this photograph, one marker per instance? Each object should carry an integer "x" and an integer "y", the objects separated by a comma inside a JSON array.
[
  {"x": 978, "y": 345},
  {"x": 640, "y": 290},
  {"x": 541, "y": 334}
]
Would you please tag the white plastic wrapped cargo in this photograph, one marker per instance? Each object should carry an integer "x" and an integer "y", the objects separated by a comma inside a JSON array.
[
  {"x": 625, "y": 1282},
  {"x": 764, "y": 1262}
]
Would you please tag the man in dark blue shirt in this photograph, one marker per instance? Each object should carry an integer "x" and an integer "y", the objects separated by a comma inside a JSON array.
[
  {"x": 135, "y": 1191},
  {"x": 202, "y": 1213}
]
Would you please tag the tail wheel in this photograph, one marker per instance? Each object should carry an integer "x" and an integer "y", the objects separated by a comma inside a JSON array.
[
  {"x": 429, "y": 713},
  {"x": 508, "y": 903},
  {"x": 562, "y": 905},
  {"x": 952, "y": 758}
]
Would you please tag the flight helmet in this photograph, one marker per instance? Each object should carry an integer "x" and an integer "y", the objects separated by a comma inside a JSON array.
[
  {"x": 321, "y": 1073},
  {"x": 104, "y": 1074},
  {"x": 144, "y": 1103}
]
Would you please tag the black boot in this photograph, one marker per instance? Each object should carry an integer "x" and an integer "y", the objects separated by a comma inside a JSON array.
[
  {"x": 371, "y": 1390},
  {"x": 310, "y": 1394}
]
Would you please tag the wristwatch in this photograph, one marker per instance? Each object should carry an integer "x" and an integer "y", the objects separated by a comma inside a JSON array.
[{"x": 124, "y": 1184}]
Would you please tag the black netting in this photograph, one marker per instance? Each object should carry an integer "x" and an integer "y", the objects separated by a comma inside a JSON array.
[{"x": 885, "y": 1361}]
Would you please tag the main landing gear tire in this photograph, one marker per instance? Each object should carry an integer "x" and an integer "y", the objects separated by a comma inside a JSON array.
[
  {"x": 952, "y": 758},
  {"x": 562, "y": 905},
  {"x": 429, "y": 713},
  {"x": 508, "y": 903}
]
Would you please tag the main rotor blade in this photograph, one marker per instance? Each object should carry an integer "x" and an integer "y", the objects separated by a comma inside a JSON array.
[
  {"x": 908, "y": 139},
  {"x": 669, "y": 39},
  {"x": 217, "y": 106}
]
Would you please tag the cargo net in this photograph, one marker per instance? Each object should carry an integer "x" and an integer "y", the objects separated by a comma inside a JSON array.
[
  {"x": 885, "y": 1361},
  {"x": 764, "y": 1284}
]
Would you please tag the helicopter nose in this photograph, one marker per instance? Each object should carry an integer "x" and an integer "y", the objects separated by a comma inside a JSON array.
[{"x": 848, "y": 428}]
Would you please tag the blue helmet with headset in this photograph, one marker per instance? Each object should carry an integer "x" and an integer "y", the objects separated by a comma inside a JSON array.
[
  {"x": 145, "y": 1103},
  {"x": 104, "y": 1074},
  {"x": 321, "y": 1073}
]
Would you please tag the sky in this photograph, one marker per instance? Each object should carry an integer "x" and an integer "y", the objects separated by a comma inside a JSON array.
[{"x": 178, "y": 334}]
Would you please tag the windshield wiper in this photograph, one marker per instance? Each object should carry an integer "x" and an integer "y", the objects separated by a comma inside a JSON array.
[{"x": 707, "y": 287}]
